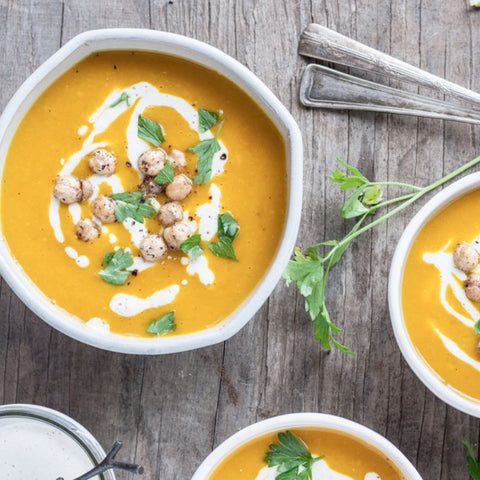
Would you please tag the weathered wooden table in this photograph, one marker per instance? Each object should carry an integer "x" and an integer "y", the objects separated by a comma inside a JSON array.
[{"x": 172, "y": 410}]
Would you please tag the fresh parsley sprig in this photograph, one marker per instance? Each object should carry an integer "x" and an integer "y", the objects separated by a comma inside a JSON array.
[
  {"x": 206, "y": 120},
  {"x": 291, "y": 458},
  {"x": 124, "y": 97},
  {"x": 205, "y": 151},
  {"x": 473, "y": 461},
  {"x": 150, "y": 131},
  {"x": 132, "y": 205},
  {"x": 227, "y": 231},
  {"x": 162, "y": 325},
  {"x": 310, "y": 271},
  {"x": 192, "y": 245},
  {"x": 115, "y": 267}
]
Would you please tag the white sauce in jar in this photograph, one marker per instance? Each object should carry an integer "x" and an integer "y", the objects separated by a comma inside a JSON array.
[{"x": 35, "y": 450}]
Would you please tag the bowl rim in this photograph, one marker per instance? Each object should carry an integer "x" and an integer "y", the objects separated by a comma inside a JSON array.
[
  {"x": 306, "y": 419},
  {"x": 31, "y": 295},
  {"x": 62, "y": 422},
  {"x": 410, "y": 353}
]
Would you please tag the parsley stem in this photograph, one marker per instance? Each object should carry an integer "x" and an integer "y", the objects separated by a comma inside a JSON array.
[
  {"x": 392, "y": 200},
  {"x": 219, "y": 129},
  {"x": 397, "y": 184},
  {"x": 411, "y": 200}
]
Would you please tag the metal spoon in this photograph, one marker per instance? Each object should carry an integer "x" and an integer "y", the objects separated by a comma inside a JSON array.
[
  {"x": 320, "y": 42},
  {"x": 327, "y": 88},
  {"x": 109, "y": 463}
]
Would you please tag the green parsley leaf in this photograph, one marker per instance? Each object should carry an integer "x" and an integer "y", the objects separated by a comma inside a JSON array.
[
  {"x": 115, "y": 265},
  {"x": 477, "y": 328},
  {"x": 150, "y": 131},
  {"x": 473, "y": 461},
  {"x": 162, "y": 325},
  {"x": 227, "y": 231},
  {"x": 206, "y": 120},
  {"x": 223, "y": 248},
  {"x": 205, "y": 150},
  {"x": 307, "y": 272},
  {"x": 227, "y": 226},
  {"x": 291, "y": 458},
  {"x": 192, "y": 245},
  {"x": 132, "y": 205},
  {"x": 346, "y": 182},
  {"x": 166, "y": 174},
  {"x": 122, "y": 98},
  {"x": 107, "y": 258}
]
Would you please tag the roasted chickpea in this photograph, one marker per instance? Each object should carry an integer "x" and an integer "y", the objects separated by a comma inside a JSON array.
[
  {"x": 152, "y": 162},
  {"x": 180, "y": 188},
  {"x": 177, "y": 158},
  {"x": 87, "y": 230},
  {"x": 68, "y": 189},
  {"x": 151, "y": 188},
  {"x": 87, "y": 188},
  {"x": 176, "y": 234},
  {"x": 103, "y": 208},
  {"x": 153, "y": 248},
  {"x": 102, "y": 162},
  {"x": 465, "y": 257},
  {"x": 169, "y": 213},
  {"x": 472, "y": 287}
]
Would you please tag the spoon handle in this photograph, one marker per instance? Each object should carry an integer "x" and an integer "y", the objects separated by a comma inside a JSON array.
[
  {"x": 320, "y": 42},
  {"x": 326, "y": 88}
]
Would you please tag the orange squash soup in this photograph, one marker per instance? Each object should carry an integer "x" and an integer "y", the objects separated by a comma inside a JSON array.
[
  {"x": 439, "y": 289},
  {"x": 145, "y": 194},
  {"x": 335, "y": 456}
]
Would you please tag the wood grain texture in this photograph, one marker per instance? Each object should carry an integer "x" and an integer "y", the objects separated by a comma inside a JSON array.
[{"x": 171, "y": 411}]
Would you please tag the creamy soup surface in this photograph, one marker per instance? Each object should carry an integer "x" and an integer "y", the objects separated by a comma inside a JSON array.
[
  {"x": 438, "y": 315},
  {"x": 344, "y": 458},
  {"x": 83, "y": 111}
]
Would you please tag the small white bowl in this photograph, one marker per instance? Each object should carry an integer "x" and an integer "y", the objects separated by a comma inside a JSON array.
[
  {"x": 210, "y": 57},
  {"x": 298, "y": 420},
  {"x": 423, "y": 371},
  {"x": 85, "y": 440}
]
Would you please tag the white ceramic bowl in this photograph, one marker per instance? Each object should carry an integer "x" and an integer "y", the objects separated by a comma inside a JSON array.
[
  {"x": 65, "y": 424},
  {"x": 423, "y": 371},
  {"x": 296, "y": 420},
  {"x": 203, "y": 54}
]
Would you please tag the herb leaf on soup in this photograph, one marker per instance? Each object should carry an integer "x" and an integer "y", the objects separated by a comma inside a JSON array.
[
  {"x": 473, "y": 461},
  {"x": 227, "y": 231},
  {"x": 223, "y": 248},
  {"x": 124, "y": 97},
  {"x": 162, "y": 325},
  {"x": 227, "y": 226},
  {"x": 132, "y": 205},
  {"x": 205, "y": 150},
  {"x": 192, "y": 245},
  {"x": 115, "y": 265},
  {"x": 166, "y": 174},
  {"x": 291, "y": 458},
  {"x": 150, "y": 131},
  {"x": 206, "y": 120}
]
